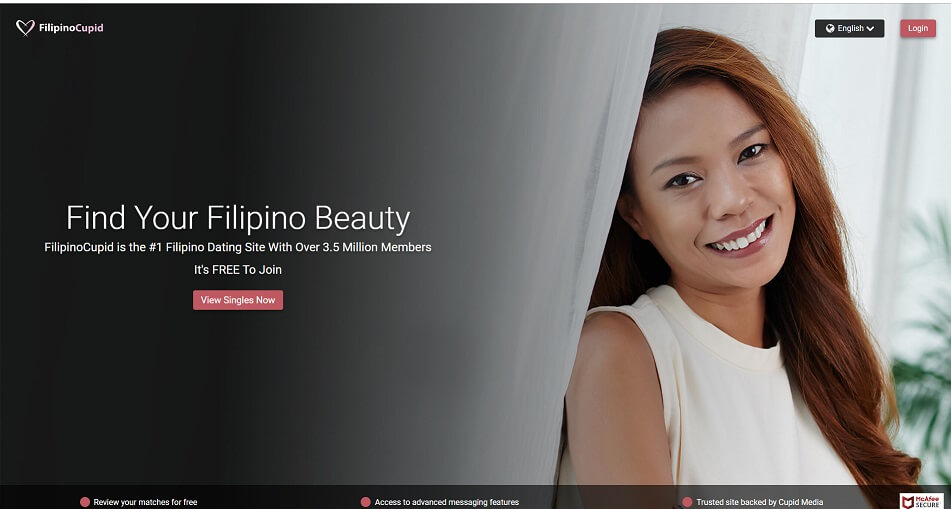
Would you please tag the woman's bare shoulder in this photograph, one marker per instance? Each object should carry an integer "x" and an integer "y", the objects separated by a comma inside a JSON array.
[
  {"x": 616, "y": 428},
  {"x": 615, "y": 339}
]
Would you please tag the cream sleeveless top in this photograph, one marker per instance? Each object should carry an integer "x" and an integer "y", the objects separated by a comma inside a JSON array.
[{"x": 732, "y": 415}]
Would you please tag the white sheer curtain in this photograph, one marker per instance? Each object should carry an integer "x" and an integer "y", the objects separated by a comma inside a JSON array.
[{"x": 602, "y": 52}]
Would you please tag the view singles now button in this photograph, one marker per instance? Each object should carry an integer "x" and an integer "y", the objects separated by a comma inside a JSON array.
[{"x": 238, "y": 300}]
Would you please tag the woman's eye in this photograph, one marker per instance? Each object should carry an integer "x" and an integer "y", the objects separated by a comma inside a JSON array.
[
  {"x": 752, "y": 151},
  {"x": 682, "y": 180}
]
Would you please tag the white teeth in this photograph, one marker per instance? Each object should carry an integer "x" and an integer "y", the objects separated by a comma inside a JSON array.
[{"x": 742, "y": 242}]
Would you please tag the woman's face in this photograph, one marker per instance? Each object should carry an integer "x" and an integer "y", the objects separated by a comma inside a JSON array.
[{"x": 711, "y": 193}]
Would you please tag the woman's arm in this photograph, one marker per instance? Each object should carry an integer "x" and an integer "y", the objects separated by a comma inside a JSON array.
[{"x": 616, "y": 430}]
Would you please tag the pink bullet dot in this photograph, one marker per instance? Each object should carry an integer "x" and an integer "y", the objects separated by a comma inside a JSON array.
[
  {"x": 687, "y": 501},
  {"x": 365, "y": 501},
  {"x": 84, "y": 501}
]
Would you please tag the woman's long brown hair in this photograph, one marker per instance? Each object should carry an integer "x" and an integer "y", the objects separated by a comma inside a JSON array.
[{"x": 826, "y": 345}]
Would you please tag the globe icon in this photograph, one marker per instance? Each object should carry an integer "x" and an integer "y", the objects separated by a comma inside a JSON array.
[{"x": 830, "y": 28}]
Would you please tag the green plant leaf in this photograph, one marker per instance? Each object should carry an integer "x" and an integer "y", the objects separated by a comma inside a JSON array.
[{"x": 923, "y": 385}]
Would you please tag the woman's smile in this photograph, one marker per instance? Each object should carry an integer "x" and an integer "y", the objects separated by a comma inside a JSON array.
[{"x": 744, "y": 242}]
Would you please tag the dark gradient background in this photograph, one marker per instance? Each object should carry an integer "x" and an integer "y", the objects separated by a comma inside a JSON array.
[{"x": 409, "y": 368}]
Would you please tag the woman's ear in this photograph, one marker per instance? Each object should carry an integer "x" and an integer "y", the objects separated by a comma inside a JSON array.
[{"x": 628, "y": 209}]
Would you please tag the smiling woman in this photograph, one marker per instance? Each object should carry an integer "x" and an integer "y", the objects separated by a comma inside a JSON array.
[
  {"x": 723, "y": 345},
  {"x": 718, "y": 182}
]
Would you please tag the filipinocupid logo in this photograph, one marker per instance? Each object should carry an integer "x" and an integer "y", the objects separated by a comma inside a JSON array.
[{"x": 25, "y": 27}]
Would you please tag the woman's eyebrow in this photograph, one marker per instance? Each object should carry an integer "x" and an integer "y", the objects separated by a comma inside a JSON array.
[
  {"x": 747, "y": 133},
  {"x": 674, "y": 161}
]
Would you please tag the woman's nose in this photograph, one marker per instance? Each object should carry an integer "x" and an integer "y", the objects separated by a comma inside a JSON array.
[{"x": 729, "y": 192}]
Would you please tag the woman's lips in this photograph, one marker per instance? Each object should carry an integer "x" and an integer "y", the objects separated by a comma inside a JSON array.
[
  {"x": 738, "y": 245},
  {"x": 743, "y": 232}
]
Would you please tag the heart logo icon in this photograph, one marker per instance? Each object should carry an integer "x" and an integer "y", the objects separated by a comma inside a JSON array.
[{"x": 25, "y": 26}]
